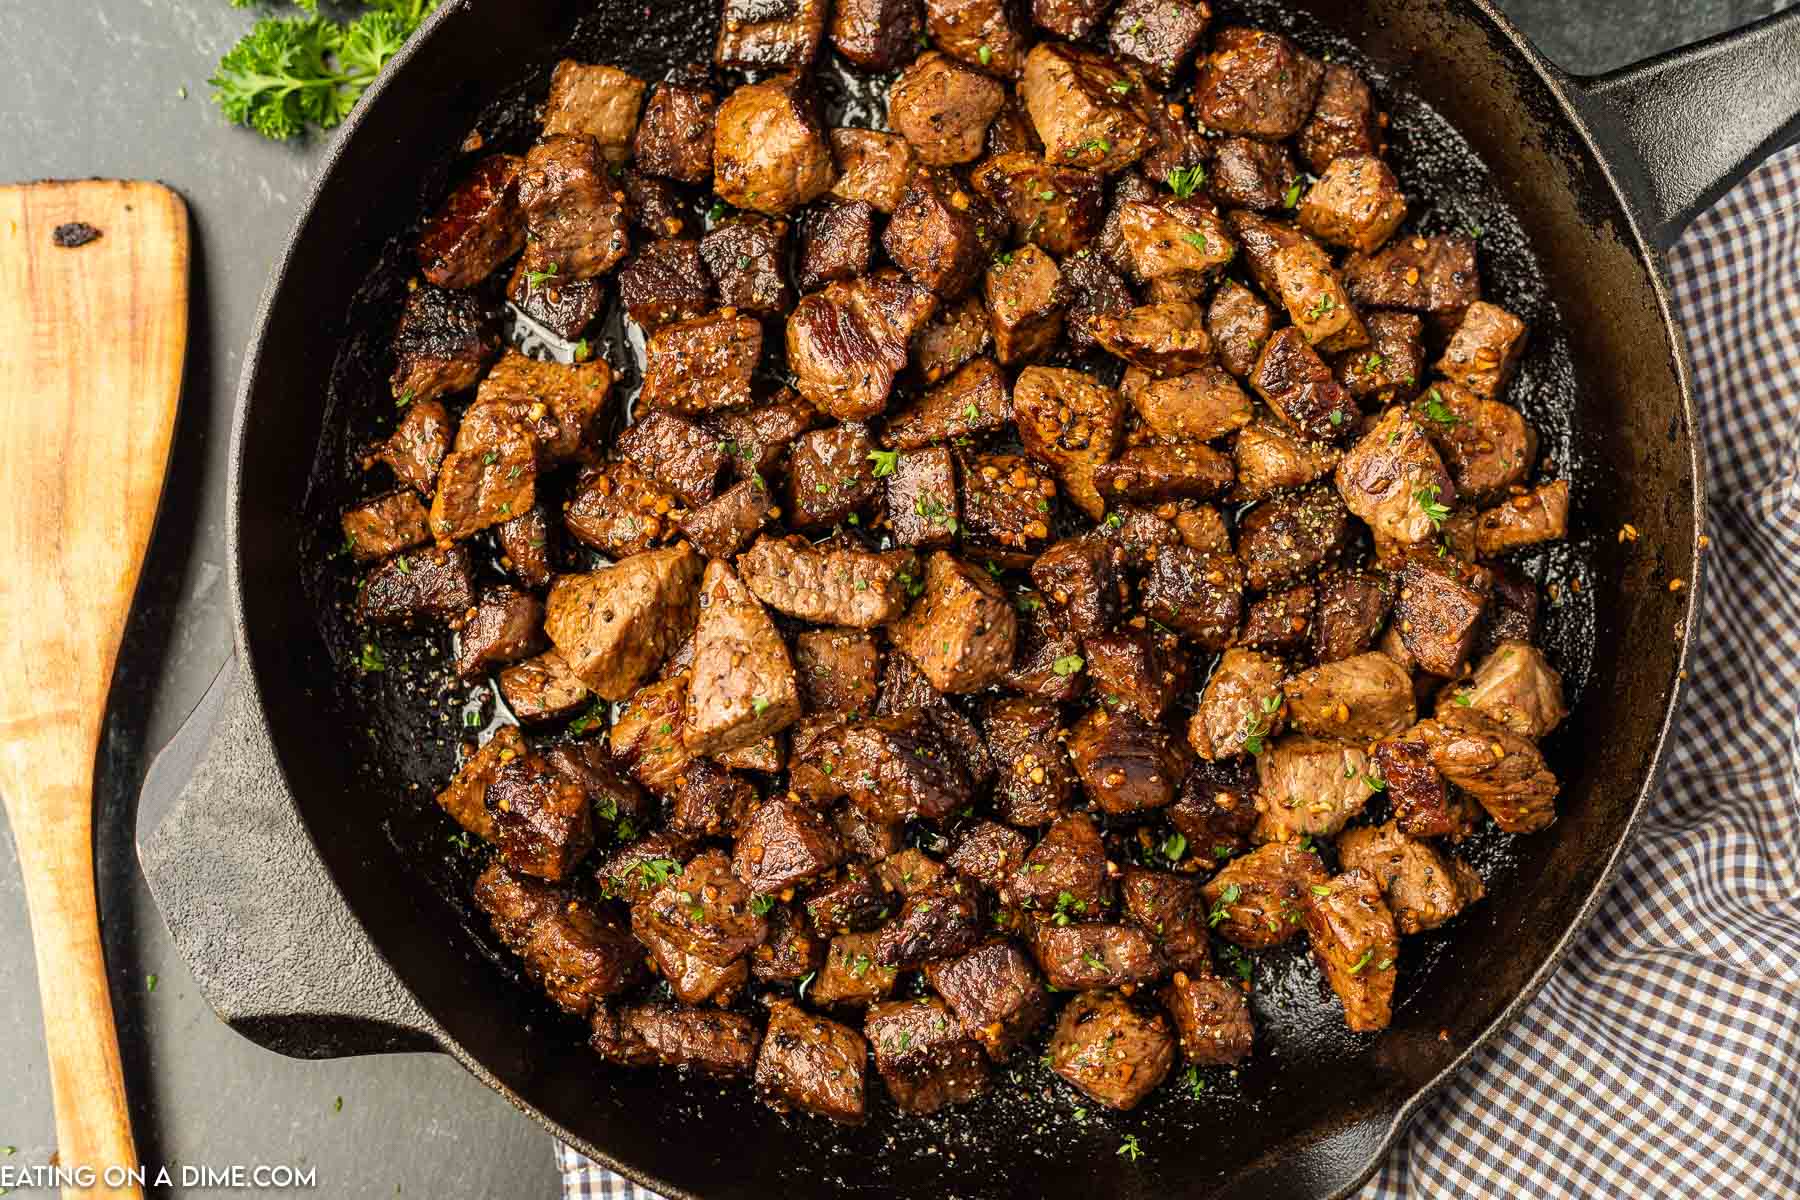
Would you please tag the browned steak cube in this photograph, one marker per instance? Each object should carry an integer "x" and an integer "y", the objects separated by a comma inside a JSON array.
[
  {"x": 1239, "y": 325},
  {"x": 837, "y": 241},
  {"x": 1200, "y": 595},
  {"x": 877, "y": 34},
  {"x": 1257, "y": 900},
  {"x": 864, "y": 838},
  {"x": 1157, "y": 36},
  {"x": 1353, "y": 937},
  {"x": 385, "y": 525},
  {"x": 830, "y": 475},
  {"x": 645, "y": 740},
  {"x": 665, "y": 281},
  {"x": 1056, "y": 208},
  {"x": 597, "y": 102},
  {"x": 1162, "y": 339},
  {"x": 1363, "y": 697},
  {"x": 1025, "y": 299},
  {"x": 442, "y": 344},
  {"x": 944, "y": 108},
  {"x": 1196, "y": 406},
  {"x": 1434, "y": 275},
  {"x": 1241, "y": 707},
  {"x": 892, "y": 768},
  {"x": 941, "y": 920},
  {"x": 812, "y": 1064},
  {"x": 962, "y": 632},
  {"x": 1140, "y": 670},
  {"x": 853, "y": 902},
  {"x": 655, "y": 207},
  {"x": 465, "y": 796},
  {"x": 996, "y": 994},
  {"x": 1310, "y": 786},
  {"x": 757, "y": 438},
  {"x": 770, "y": 35},
  {"x": 693, "y": 980},
  {"x": 1126, "y": 765},
  {"x": 542, "y": 689},
  {"x": 909, "y": 872},
  {"x": 791, "y": 953},
  {"x": 1071, "y": 20},
  {"x": 675, "y": 138},
  {"x": 1539, "y": 515},
  {"x": 1175, "y": 246},
  {"x": 922, "y": 507},
  {"x": 1394, "y": 362},
  {"x": 1284, "y": 540},
  {"x": 556, "y": 402},
  {"x": 1089, "y": 957},
  {"x": 416, "y": 448},
  {"x": 1291, "y": 267},
  {"x": 847, "y": 343},
  {"x": 565, "y": 307},
  {"x": 478, "y": 226},
  {"x": 1356, "y": 204},
  {"x": 833, "y": 587},
  {"x": 725, "y": 525},
  {"x": 437, "y": 584},
  {"x": 1179, "y": 150},
  {"x": 1165, "y": 471},
  {"x": 1281, "y": 621},
  {"x": 837, "y": 670},
  {"x": 1044, "y": 644},
  {"x": 704, "y": 911},
  {"x": 1502, "y": 770},
  {"x": 972, "y": 401},
  {"x": 1394, "y": 480},
  {"x": 990, "y": 34},
  {"x": 1488, "y": 446},
  {"x": 1080, "y": 575},
  {"x": 1095, "y": 290},
  {"x": 505, "y": 625},
  {"x": 942, "y": 234},
  {"x": 742, "y": 688},
  {"x": 1423, "y": 887},
  {"x": 1036, "y": 779},
  {"x": 703, "y": 364},
  {"x": 989, "y": 853},
  {"x": 574, "y": 214},
  {"x": 1422, "y": 806},
  {"x": 1077, "y": 105},
  {"x": 1110, "y": 1051},
  {"x": 1439, "y": 610},
  {"x": 872, "y": 167},
  {"x": 1072, "y": 424},
  {"x": 636, "y": 871},
  {"x": 746, "y": 256},
  {"x": 1007, "y": 501},
  {"x": 1272, "y": 457},
  {"x": 621, "y": 511},
  {"x": 924, "y": 1057},
  {"x": 956, "y": 336},
  {"x": 1353, "y": 605},
  {"x": 1170, "y": 908},
  {"x": 1247, "y": 173},
  {"x": 770, "y": 153},
  {"x": 1070, "y": 860},
  {"x": 851, "y": 976},
  {"x": 1301, "y": 390},
  {"x": 578, "y": 953},
  {"x": 1343, "y": 122},
  {"x": 667, "y": 1035},
  {"x": 1217, "y": 808},
  {"x": 681, "y": 455},
  {"x": 1484, "y": 351},
  {"x": 1256, "y": 83},
  {"x": 1212, "y": 1018},
  {"x": 784, "y": 843},
  {"x": 614, "y": 626}
]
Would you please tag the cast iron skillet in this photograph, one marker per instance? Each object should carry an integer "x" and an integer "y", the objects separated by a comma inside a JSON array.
[{"x": 303, "y": 870}]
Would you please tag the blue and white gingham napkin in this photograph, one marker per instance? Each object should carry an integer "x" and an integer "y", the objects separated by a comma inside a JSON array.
[{"x": 1663, "y": 1058}]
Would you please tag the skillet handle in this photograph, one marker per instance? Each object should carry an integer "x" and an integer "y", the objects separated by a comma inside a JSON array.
[
  {"x": 255, "y": 913},
  {"x": 1684, "y": 127}
]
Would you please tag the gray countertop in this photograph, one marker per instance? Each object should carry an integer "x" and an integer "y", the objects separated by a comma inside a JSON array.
[{"x": 118, "y": 88}]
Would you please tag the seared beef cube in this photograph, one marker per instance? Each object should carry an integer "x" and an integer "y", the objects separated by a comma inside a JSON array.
[
  {"x": 1540, "y": 515},
  {"x": 770, "y": 35},
  {"x": 563, "y": 306},
  {"x": 962, "y": 632},
  {"x": 1095, "y": 290},
  {"x": 675, "y": 138},
  {"x": 598, "y": 102},
  {"x": 997, "y": 995},
  {"x": 1012, "y": 131},
  {"x": 956, "y": 336},
  {"x": 704, "y": 911},
  {"x": 1310, "y": 787},
  {"x": 1157, "y": 36},
  {"x": 1026, "y": 297},
  {"x": 892, "y": 768},
  {"x": 756, "y": 438},
  {"x": 1343, "y": 121},
  {"x": 940, "y": 921},
  {"x": 620, "y": 511},
  {"x": 525, "y": 546},
  {"x": 1242, "y": 707},
  {"x": 1077, "y": 105},
  {"x": 1272, "y": 457},
  {"x": 1394, "y": 480},
  {"x": 1239, "y": 325},
  {"x": 1439, "y": 610},
  {"x": 972, "y": 401},
  {"x": 985, "y": 33},
  {"x": 1197, "y": 406},
  {"x": 614, "y": 626},
  {"x": 853, "y": 902},
  {"x": 1174, "y": 245},
  {"x": 646, "y": 738},
  {"x": 1502, "y": 770},
  {"x": 1423, "y": 887},
  {"x": 1090, "y": 957},
  {"x": 1484, "y": 351},
  {"x": 813, "y": 1064},
  {"x": 574, "y": 215},
  {"x": 655, "y": 207},
  {"x": 989, "y": 853},
  {"x": 942, "y": 234},
  {"x": 667, "y": 1035},
  {"x": 1281, "y": 621},
  {"x": 1081, "y": 576},
  {"x": 1488, "y": 446},
  {"x": 682, "y": 456},
  {"x": 1169, "y": 908},
  {"x": 1124, "y": 764},
  {"x": 385, "y": 525},
  {"x": 505, "y": 626},
  {"x": 837, "y": 241},
  {"x": 1036, "y": 779},
  {"x": 909, "y": 872},
  {"x": 1007, "y": 501},
  {"x": 665, "y": 281},
  {"x": 834, "y": 587},
  {"x": 1284, "y": 540},
  {"x": 1199, "y": 595},
  {"x": 1258, "y": 900},
  {"x": 1256, "y": 83},
  {"x": 1356, "y": 204},
  {"x": 699, "y": 365},
  {"x": 742, "y": 687},
  {"x": 1352, "y": 607},
  {"x": 1179, "y": 150},
  {"x": 721, "y": 528},
  {"x": 416, "y": 448},
  {"x": 1393, "y": 364},
  {"x": 1045, "y": 642},
  {"x": 1363, "y": 697},
  {"x": 693, "y": 979},
  {"x": 1247, "y": 173},
  {"x": 1139, "y": 671},
  {"x": 770, "y": 154},
  {"x": 865, "y": 838},
  {"x": 1056, "y": 208},
  {"x": 850, "y": 974},
  {"x": 1433, "y": 275},
  {"x": 1212, "y": 1018},
  {"x": 709, "y": 801},
  {"x": 747, "y": 259},
  {"x": 1217, "y": 808},
  {"x": 636, "y": 871},
  {"x": 790, "y": 953},
  {"x": 836, "y": 670},
  {"x": 443, "y": 343},
  {"x": 830, "y": 475},
  {"x": 437, "y": 583},
  {"x": 872, "y": 167},
  {"x": 1299, "y": 387},
  {"x": 1163, "y": 339},
  {"x": 1111, "y": 1051},
  {"x": 465, "y": 797},
  {"x": 847, "y": 343},
  {"x": 1071, "y": 20},
  {"x": 1164, "y": 471},
  {"x": 1422, "y": 805},
  {"x": 922, "y": 508},
  {"x": 1072, "y": 424},
  {"x": 784, "y": 843},
  {"x": 477, "y": 228},
  {"x": 944, "y": 108},
  {"x": 1129, "y": 188},
  {"x": 1289, "y": 266},
  {"x": 557, "y": 402},
  {"x": 877, "y": 34},
  {"x": 1070, "y": 860},
  {"x": 768, "y": 756},
  {"x": 1352, "y": 935},
  {"x": 924, "y": 1057},
  {"x": 542, "y": 689},
  {"x": 579, "y": 954}
]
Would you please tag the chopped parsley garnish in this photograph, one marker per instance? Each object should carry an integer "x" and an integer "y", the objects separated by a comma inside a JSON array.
[
  {"x": 886, "y": 462},
  {"x": 985, "y": 54},
  {"x": 1437, "y": 410},
  {"x": 760, "y": 905},
  {"x": 1427, "y": 497},
  {"x": 654, "y": 872},
  {"x": 1174, "y": 846},
  {"x": 370, "y": 659},
  {"x": 1222, "y": 911},
  {"x": 536, "y": 279},
  {"x": 1068, "y": 664},
  {"x": 759, "y": 705},
  {"x": 1291, "y": 199},
  {"x": 1130, "y": 1149},
  {"x": 1362, "y": 962},
  {"x": 1184, "y": 181}
]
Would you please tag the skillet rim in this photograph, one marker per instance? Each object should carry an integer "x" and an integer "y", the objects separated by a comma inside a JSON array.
[{"x": 1563, "y": 88}]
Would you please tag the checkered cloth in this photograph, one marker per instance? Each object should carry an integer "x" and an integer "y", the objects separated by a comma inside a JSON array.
[{"x": 1663, "y": 1058}]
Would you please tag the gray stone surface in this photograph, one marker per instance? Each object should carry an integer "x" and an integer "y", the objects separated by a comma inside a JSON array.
[{"x": 118, "y": 88}]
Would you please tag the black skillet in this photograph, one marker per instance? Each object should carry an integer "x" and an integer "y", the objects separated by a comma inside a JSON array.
[{"x": 288, "y": 833}]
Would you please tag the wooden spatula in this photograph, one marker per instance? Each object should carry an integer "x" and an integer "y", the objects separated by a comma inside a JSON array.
[{"x": 93, "y": 330}]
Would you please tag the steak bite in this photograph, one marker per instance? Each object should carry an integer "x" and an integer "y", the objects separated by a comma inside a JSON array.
[
  {"x": 620, "y": 511},
  {"x": 614, "y": 626},
  {"x": 385, "y": 525},
  {"x": 975, "y": 400},
  {"x": 959, "y": 334},
  {"x": 1422, "y": 274},
  {"x": 1539, "y": 515},
  {"x": 988, "y": 853},
  {"x": 645, "y": 740},
  {"x": 893, "y": 768},
  {"x": 1212, "y": 1018},
  {"x": 542, "y": 689},
  {"x": 416, "y": 448},
  {"x": 941, "y": 920},
  {"x": 1008, "y": 501},
  {"x": 699, "y": 365},
  {"x": 854, "y": 901},
  {"x": 770, "y": 35},
  {"x": 1499, "y": 768},
  {"x": 1242, "y": 706},
  {"x": 791, "y": 952},
  {"x": 1310, "y": 786},
  {"x": 1164, "y": 471},
  {"x": 1390, "y": 368},
  {"x": 829, "y": 587},
  {"x": 1423, "y": 887},
  {"x": 597, "y": 102},
  {"x": 575, "y": 222},
  {"x": 742, "y": 686},
  {"x": 1046, "y": 650},
  {"x": 442, "y": 344},
  {"x": 665, "y": 281},
  {"x": 1281, "y": 621},
  {"x": 557, "y": 402},
  {"x": 1247, "y": 173},
  {"x": 1356, "y": 204},
  {"x": 1157, "y": 36},
  {"x": 1301, "y": 390},
  {"x": 812, "y": 1064},
  {"x": 756, "y": 438},
  {"x": 1216, "y": 810},
  {"x": 1273, "y": 457},
  {"x": 1054, "y": 207},
  {"x": 1140, "y": 671},
  {"x": 1200, "y": 595},
  {"x": 1124, "y": 764},
  {"x": 1175, "y": 246},
  {"x": 704, "y": 911},
  {"x": 563, "y": 306},
  {"x": 681, "y": 455},
  {"x": 851, "y": 976},
  {"x": 836, "y": 669},
  {"x": 1239, "y": 325},
  {"x": 1284, "y": 540},
  {"x": 872, "y": 167},
  {"x": 505, "y": 625},
  {"x": 1257, "y": 900},
  {"x": 942, "y": 234},
  {"x": 1199, "y": 405},
  {"x": 1394, "y": 480},
  {"x": 1484, "y": 350},
  {"x": 1088, "y": 957},
  {"x": 1352, "y": 607},
  {"x": 1352, "y": 936},
  {"x": 1080, "y": 575},
  {"x": 746, "y": 255},
  {"x": 962, "y": 632},
  {"x": 837, "y": 241},
  {"x": 943, "y": 108},
  {"x": 924, "y": 1057},
  {"x": 1169, "y": 907},
  {"x": 770, "y": 154},
  {"x": 984, "y": 33},
  {"x": 1256, "y": 83},
  {"x": 724, "y": 526},
  {"x": 1292, "y": 268},
  {"x": 675, "y": 138},
  {"x": 1070, "y": 859},
  {"x": 1072, "y": 424},
  {"x": 1079, "y": 110},
  {"x": 692, "y": 979},
  {"x": 578, "y": 953},
  {"x": 720, "y": 1044},
  {"x": 1515, "y": 686},
  {"x": 465, "y": 796},
  {"x": 784, "y": 843},
  {"x": 997, "y": 996},
  {"x": 922, "y": 507},
  {"x": 1036, "y": 780},
  {"x": 1162, "y": 339},
  {"x": 1025, "y": 298},
  {"x": 478, "y": 226},
  {"x": 830, "y": 475},
  {"x": 1488, "y": 446},
  {"x": 1362, "y": 698},
  {"x": 1343, "y": 121},
  {"x": 848, "y": 343},
  {"x": 437, "y": 583},
  {"x": 1438, "y": 613},
  {"x": 1109, "y": 1050},
  {"x": 877, "y": 34},
  {"x": 1421, "y": 801}
]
